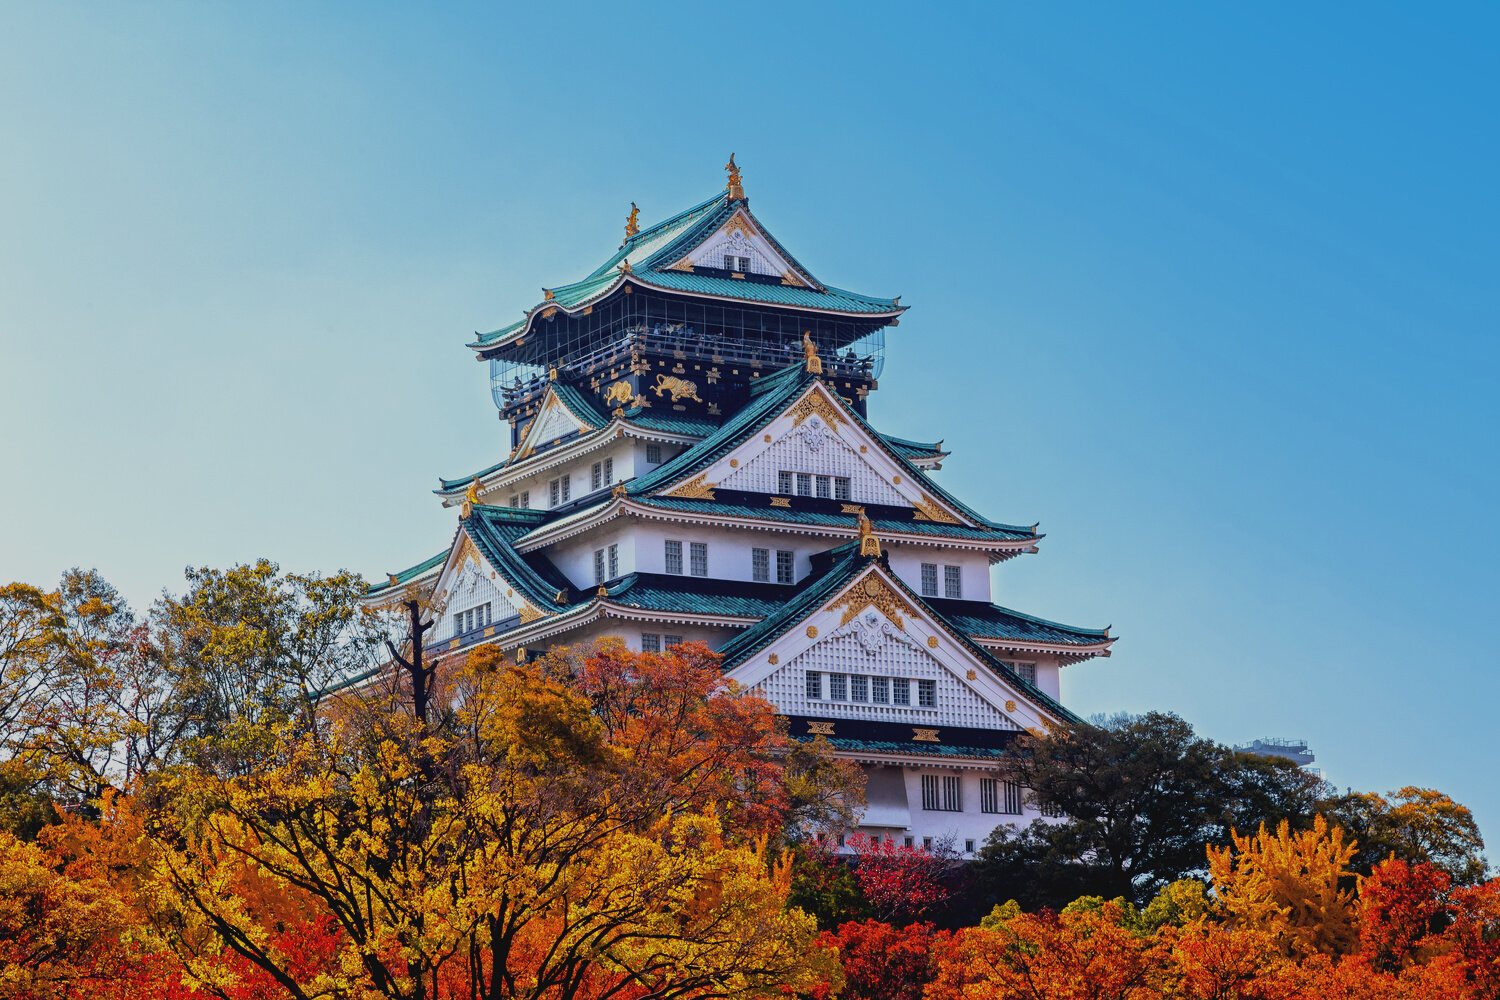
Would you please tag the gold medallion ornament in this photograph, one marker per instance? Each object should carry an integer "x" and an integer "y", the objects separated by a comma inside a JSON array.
[{"x": 874, "y": 592}]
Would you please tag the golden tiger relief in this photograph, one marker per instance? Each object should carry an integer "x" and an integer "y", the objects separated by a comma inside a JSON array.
[
  {"x": 618, "y": 393},
  {"x": 679, "y": 388}
]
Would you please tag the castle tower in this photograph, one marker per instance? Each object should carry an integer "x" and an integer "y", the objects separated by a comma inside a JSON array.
[{"x": 690, "y": 457}]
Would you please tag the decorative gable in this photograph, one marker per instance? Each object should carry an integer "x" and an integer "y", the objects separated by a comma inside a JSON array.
[
  {"x": 817, "y": 436},
  {"x": 871, "y": 633},
  {"x": 739, "y": 247}
]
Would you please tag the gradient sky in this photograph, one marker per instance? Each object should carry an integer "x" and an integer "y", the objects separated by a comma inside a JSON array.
[{"x": 1208, "y": 290}]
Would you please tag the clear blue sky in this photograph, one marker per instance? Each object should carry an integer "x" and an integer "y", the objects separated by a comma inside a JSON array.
[{"x": 1209, "y": 290}]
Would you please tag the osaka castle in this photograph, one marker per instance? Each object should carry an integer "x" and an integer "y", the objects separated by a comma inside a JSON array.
[{"x": 693, "y": 455}]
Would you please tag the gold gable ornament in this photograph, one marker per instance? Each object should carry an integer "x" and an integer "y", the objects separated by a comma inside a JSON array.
[{"x": 810, "y": 354}]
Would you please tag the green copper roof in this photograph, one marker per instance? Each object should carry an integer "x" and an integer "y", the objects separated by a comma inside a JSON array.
[{"x": 408, "y": 574}]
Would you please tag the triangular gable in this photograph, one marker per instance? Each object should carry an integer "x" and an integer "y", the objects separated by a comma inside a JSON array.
[
  {"x": 871, "y": 628},
  {"x": 741, "y": 238},
  {"x": 469, "y": 579},
  {"x": 817, "y": 434},
  {"x": 554, "y": 420}
]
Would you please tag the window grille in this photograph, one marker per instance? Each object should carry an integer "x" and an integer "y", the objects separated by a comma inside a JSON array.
[
  {"x": 650, "y": 643},
  {"x": 901, "y": 690},
  {"x": 599, "y": 576},
  {"x": 698, "y": 555},
  {"x": 814, "y": 685},
  {"x": 804, "y": 484},
  {"x": 989, "y": 795},
  {"x": 953, "y": 793},
  {"x": 859, "y": 687},
  {"x": 785, "y": 560},
  {"x": 929, "y": 579},
  {"x": 671, "y": 641},
  {"x": 841, "y": 487},
  {"x": 653, "y": 454},
  {"x": 838, "y": 687},
  {"x": 614, "y": 561},
  {"x": 674, "y": 558},
  {"x": 784, "y": 482},
  {"x": 927, "y": 694},
  {"x": 880, "y": 690},
  {"x": 952, "y": 582},
  {"x": 930, "y": 795},
  {"x": 825, "y": 491},
  {"x": 760, "y": 565}
]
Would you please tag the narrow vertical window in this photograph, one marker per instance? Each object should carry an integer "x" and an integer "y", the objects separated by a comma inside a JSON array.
[
  {"x": 599, "y": 576},
  {"x": 880, "y": 690},
  {"x": 598, "y": 478},
  {"x": 804, "y": 484},
  {"x": 927, "y": 694},
  {"x": 953, "y": 585},
  {"x": 614, "y": 562},
  {"x": 698, "y": 552},
  {"x": 674, "y": 558},
  {"x": 989, "y": 795},
  {"x": 953, "y": 793},
  {"x": 784, "y": 482},
  {"x": 900, "y": 691},
  {"x": 650, "y": 643},
  {"x": 653, "y": 454},
  {"x": 931, "y": 800},
  {"x": 786, "y": 561},
  {"x": 929, "y": 579},
  {"x": 841, "y": 487},
  {"x": 859, "y": 687},
  {"x": 760, "y": 565},
  {"x": 838, "y": 687},
  {"x": 609, "y": 471},
  {"x": 824, "y": 491},
  {"x": 814, "y": 685}
]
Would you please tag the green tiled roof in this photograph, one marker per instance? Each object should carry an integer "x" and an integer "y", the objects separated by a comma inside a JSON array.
[
  {"x": 883, "y": 525},
  {"x": 408, "y": 574},
  {"x": 990, "y": 621},
  {"x": 694, "y": 595},
  {"x": 907, "y": 749}
]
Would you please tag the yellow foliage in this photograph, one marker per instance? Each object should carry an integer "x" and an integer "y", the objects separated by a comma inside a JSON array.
[{"x": 1287, "y": 885}]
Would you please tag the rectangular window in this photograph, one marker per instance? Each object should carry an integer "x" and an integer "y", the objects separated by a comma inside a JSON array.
[
  {"x": 674, "y": 558},
  {"x": 599, "y": 576},
  {"x": 698, "y": 553},
  {"x": 598, "y": 480},
  {"x": 653, "y": 454},
  {"x": 1010, "y": 798},
  {"x": 814, "y": 685},
  {"x": 880, "y": 690},
  {"x": 953, "y": 793},
  {"x": 927, "y": 694},
  {"x": 760, "y": 565},
  {"x": 824, "y": 491},
  {"x": 804, "y": 484},
  {"x": 785, "y": 562},
  {"x": 901, "y": 690},
  {"x": 930, "y": 795},
  {"x": 953, "y": 586},
  {"x": 671, "y": 641},
  {"x": 859, "y": 687},
  {"x": 838, "y": 687},
  {"x": 609, "y": 471},
  {"x": 650, "y": 643},
  {"x": 614, "y": 561},
  {"x": 784, "y": 482},
  {"x": 841, "y": 487},
  {"x": 929, "y": 579},
  {"x": 989, "y": 795}
]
